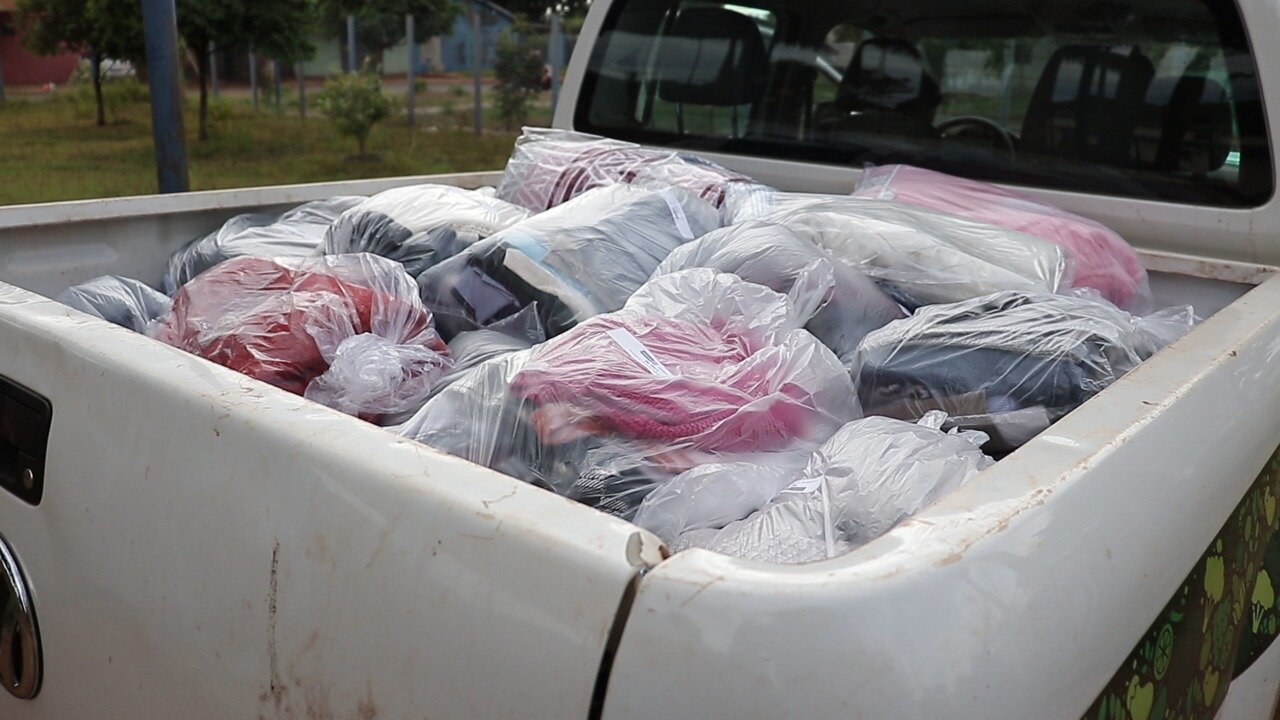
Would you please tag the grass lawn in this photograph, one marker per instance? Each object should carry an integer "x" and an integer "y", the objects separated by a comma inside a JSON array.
[{"x": 51, "y": 150}]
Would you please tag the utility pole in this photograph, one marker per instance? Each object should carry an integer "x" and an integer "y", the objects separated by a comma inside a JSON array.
[
  {"x": 160, "y": 30},
  {"x": 213, "y": 68},
  {"x": 302, "y": 89},
  {"x": 413, "y": 57},
  {"x": 476, "y": 60},
  {"x": 351, "y": 44},
  {"x": 555, "y": 58},
  {"x": 253, "y": 77},
  {"x": 275, "y": 76}
]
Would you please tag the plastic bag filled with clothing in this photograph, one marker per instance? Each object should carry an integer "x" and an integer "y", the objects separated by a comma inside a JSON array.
[
  {"x": 421, "y": 225},
  {"x": 347, "y": 331},
  {"x": 1100, "y": 258},
  {"x": 1008, "y": 364},
  {"x": 123, "y": 301},
  {"x": 773, "y": 256},
  {"x": 473, "y": 348},
  {"x": 871, "y": 475},
  {"x": 577, "y": 260},
  {"x": 295, "y": 233},
  {"x": 919, "y": 256},
  {"x": 550, "y": 167},
  {"x": 697, "y": 366}
]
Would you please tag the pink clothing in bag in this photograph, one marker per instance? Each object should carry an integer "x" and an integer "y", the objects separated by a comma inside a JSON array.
[
  {"x": 1100, "y": 258},
  {"x": 674, "y": 381}
]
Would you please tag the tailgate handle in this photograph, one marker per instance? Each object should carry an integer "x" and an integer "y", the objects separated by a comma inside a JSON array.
[
  {"x": 20, "y": 653},
  {"x": 25, "y": 418}
]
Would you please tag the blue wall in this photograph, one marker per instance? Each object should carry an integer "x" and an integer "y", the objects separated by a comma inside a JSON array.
[{"x": 455, "y": 48}]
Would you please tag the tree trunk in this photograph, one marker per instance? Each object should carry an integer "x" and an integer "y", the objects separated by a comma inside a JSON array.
[
  {"x": 95, "y": 67},
  {"x": 202, "y": 71}
]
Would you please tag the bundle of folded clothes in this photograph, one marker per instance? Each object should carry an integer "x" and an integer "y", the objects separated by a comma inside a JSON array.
[
  {"x": 846, "y": 309},
  {"x": 121, "y": 301},
  {"x": 576, "y": 261},
  {"x": 869, "y": 476},
  {"x": 920, "y": 257},
  {"x": 1100, "y": 258},
  {"x": 347, "y": 331},
  {"x": 295, "y": 233},
  {"x": 1009, "y": 364},
  {"x": 550, "y": 167},
  {"x": 421, "y": 225}
]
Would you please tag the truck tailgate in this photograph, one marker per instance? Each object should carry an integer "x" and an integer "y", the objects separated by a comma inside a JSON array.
[{"x": 209, "y": 547}]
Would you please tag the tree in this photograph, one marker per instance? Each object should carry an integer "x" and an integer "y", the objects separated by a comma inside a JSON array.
[
  {"x": 94, "y": 28},
  {"x": 354, "y": 103},
  {"x": 280, "y": 29},
  {"x": 380, "y": 23},
  {"x": 518, "y": 67},
  {"x": 538, "y": 9}
]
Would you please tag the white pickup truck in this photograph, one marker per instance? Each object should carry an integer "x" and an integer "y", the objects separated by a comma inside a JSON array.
[{"x": 180, "y": 541}]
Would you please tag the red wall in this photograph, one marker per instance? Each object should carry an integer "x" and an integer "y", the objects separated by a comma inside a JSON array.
[{"x": 20, "y": 67}]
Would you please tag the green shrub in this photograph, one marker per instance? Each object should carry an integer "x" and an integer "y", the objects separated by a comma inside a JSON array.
[
  {"x": 518, "y": 67},
  {"x": 354, "y": 103}
]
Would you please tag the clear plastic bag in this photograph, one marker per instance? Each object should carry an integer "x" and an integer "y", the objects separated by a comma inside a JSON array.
[
  {"x": 421, "y": 225},
  {"x": 1100, "y": 258},
  {"x": 550, "y": 167},
  {"x": 920, "y": 256},
  {"x": 710, "y": 496},
  {"x": 871, "y": 475},
  {"x": 578, "y": 260},
  {"x": 123, "y": 301},
  {"x": 347, "y": 330},
  {"x": 296, "y": 233},
  {"x": 771, "y": 255},
  {"x": 1008, "y": 364},
  {"x": 698, "y": 365}
]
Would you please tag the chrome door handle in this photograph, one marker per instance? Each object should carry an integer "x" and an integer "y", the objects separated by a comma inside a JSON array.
[{"x": 20, "y": 654}]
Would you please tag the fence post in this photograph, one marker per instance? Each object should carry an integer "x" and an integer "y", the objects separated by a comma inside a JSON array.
[
  {"x": 413, "y": 91},
  {"x": 302, "y": 90},
  {"x": 275, "y": 76},
  {"x": 213, "y": 68},
  {"x": 555, "y": 58},
  {"x": 253, "y": 77},
  {"x": 476, "y": 61},
  {"x": 160, "y": 33},
  {"x": 351, "y": 44}
]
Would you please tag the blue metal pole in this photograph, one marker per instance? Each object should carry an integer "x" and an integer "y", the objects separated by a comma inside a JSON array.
[
  {"x": 302, "y": 90},
  {"x": 160, "y": 28},
  {"x": 213, "y": 68},
  {"x": 275, "y": 75},
  {"x": 351, "y": 44},
  {"x": 413, "y": 58},
  {"x": 253, "y": 77},
  {"x": 477, "y": 60},
  {"x": 555, "y": 58}
]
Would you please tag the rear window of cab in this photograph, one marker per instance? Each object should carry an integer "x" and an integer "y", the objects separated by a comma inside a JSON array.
[{"x": 1152, "y": 99}]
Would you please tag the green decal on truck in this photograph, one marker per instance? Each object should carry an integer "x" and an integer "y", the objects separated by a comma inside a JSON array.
[{"x": 1217, "y": 624}]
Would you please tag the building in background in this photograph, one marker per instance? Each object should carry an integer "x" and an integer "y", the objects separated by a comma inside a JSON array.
[
  {"x": 21, "y": 66},
  {"x": 448, "y": 53}
]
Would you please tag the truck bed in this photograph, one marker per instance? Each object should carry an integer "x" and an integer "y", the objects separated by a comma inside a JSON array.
[{"x": 313, "y": 563}]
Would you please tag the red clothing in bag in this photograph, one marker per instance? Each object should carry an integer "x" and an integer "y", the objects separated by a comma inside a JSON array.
[{"x": 282, "y": 322}]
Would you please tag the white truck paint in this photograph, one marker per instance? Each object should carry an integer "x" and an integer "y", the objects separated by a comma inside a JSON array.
[{"x": 211, "y": 547}]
